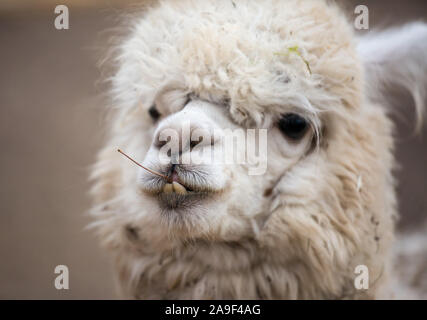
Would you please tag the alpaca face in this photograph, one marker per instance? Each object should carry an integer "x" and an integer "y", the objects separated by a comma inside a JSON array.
[
  {"x": 207, "y": 79},
  {"x": 185, "y": 83},
  {"x": 221, "y": 173}
]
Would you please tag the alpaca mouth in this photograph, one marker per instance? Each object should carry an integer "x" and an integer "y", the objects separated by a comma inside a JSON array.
[
  {"x": 176, "y": 187},
  {"x": 182, "y": 190},
  {"x": 175, "y": 194},
  {"x": 174, "y": 184}
]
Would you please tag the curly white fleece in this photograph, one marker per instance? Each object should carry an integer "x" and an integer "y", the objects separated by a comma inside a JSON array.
[{"x": 331, "y": 212}]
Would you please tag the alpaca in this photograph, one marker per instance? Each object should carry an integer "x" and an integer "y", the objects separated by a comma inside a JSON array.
[{"x": 326, "y": 202}]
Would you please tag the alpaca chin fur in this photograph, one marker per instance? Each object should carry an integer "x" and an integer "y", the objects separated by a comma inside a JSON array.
[{"x": 327, "y": 211}]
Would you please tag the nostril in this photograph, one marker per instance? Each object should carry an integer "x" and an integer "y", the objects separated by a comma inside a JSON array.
[
  {"x": 161, "y": 142},
  {"x": 181, "y": 141},
  {"x": 202, "y": 137},
  {"x": 195, "y": 142}
]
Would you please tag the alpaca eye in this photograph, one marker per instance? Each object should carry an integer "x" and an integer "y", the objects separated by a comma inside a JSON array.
[
  {"x": 154, "y": 113},
  {"x": 293, "y": 126}
]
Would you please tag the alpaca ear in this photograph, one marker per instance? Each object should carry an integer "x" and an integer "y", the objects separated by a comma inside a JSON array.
[{"x": 396, "y": 59}]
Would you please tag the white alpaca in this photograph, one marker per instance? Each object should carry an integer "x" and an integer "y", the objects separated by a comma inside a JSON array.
[{"x": 326, "y": 202}]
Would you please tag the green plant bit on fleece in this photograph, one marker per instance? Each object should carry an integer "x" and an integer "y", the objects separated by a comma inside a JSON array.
[{"x": 296, "y": 51}]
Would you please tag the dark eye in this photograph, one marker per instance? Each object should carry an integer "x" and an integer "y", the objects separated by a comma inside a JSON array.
[
  {"x": 293, "y": 126},
  {"x": 154, "y": 113}
]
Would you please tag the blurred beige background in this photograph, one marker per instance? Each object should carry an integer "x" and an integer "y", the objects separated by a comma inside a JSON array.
[{"x": 51, "y": 118}]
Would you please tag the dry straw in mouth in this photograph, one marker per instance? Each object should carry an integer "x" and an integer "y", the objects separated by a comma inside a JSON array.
[{"x": 149, "y": 170}]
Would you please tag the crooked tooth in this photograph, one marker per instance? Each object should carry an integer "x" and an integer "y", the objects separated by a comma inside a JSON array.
[
  {"x": 168, "y": 188},
  {"x": 178, "y": 188}
]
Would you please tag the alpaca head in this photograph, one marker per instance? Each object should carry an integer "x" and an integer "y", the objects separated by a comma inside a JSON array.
[
  {"x": 312, "y": 160},
  {"x": 209, "y": 72}
]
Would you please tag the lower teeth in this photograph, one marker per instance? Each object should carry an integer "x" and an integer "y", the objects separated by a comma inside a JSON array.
[{"x": 174, "y": 187}]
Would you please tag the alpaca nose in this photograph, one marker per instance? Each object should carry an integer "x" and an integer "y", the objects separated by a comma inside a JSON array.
[
  {"x": 183, "y": 145},
  {"x": 183, "y": 133}
]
